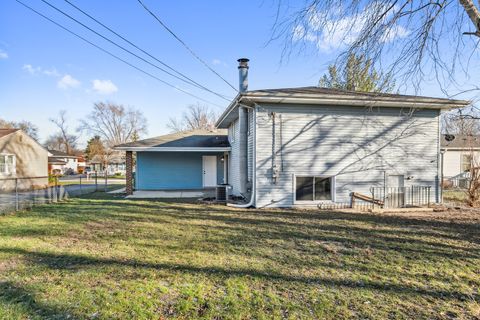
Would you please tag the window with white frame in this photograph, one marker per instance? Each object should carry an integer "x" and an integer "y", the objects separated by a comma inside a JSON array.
[
  {"x": 7, "y": 164},
  {"x": 311, "y": 188}
]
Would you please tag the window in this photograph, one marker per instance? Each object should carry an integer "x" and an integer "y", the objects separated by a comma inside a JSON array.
[
  {"x": 466, "y": 162},
  {"x": 231, "y": 132},
  {"x": 7, "y": 164},
  {"x": 313, "y": 188}
]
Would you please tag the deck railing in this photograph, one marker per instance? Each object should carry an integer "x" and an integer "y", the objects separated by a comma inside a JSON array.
[{"x": 402, "y": 197}]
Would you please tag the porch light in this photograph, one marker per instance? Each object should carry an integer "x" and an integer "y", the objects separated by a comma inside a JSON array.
[{"x": 222, "y": 158}]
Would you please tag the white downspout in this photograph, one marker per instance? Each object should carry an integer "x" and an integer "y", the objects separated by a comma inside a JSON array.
[{"x": 254, "y": 169}]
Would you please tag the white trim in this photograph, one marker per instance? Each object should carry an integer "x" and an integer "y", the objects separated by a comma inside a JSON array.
[
  {"x": 175, "y": 149},
  {"x": 343, "y": 100},
  {"x": 460, "y": 149},
  {"x": 333, "y": 193},
  {"x": 335, "y": 101},
  {"x": 14, "y": 164}
]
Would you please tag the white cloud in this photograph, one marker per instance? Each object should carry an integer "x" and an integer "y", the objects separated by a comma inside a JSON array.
[
  {"x": 68, "y": 82},
  {"x": 30, "y": 69},
  {"x": 104, "y": 86},
  {"x": 217, "y": 62},
  {"x": 3, "y": 55},
  {"x": 39, "y": 70},
  {"x": 51, "y": 72},
  {"x": 330, "y": 32}
]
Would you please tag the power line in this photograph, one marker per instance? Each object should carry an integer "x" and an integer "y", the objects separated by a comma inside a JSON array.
[
  {"x": 145, "y": 52},
  {"x": 123, "y": 48},
  {"x": 115, "y": 56},
  {"x": 184, "y": 44}
]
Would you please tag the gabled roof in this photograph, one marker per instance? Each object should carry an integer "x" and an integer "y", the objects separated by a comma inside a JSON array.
[
  {"x": 195, "y": 140},
  {"x": 60, "y": 154},
  {"x": 6, "y": 132},
  {"x": 335, "y": 97},
  {"x": 460, "y": 141},
  {"x": 53, "y": 160}
]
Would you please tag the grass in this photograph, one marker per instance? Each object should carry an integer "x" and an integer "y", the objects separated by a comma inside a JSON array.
[
  {"x": 455, "y": 196},
  {"x": 102, "y": 257}
]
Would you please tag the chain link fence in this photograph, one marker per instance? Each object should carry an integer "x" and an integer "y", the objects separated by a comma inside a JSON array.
[{"x": 25, "y": 192}]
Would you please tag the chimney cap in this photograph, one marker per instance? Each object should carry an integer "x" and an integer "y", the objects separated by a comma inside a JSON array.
[{"x": 243, "y": 62}]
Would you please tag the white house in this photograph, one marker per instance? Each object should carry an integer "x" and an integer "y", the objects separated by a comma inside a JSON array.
[
  {"x": 459, "y": 152},
  {"x": 62, "y": 163},
  {"x": 303, "y": 147}
]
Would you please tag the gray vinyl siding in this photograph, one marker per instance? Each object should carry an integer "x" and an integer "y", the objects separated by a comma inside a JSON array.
[
  {"x": 356, "y": 145},
  {"x": 250, "y": 145},
  {"x": 234, "y": 172}
]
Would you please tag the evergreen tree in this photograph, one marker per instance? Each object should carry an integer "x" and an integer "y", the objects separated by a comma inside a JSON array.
[{"x": 359, "y": 74}]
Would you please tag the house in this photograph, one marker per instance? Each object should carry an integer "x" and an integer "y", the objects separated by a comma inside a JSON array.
[
  {"x": 115, "y": 166},
  {"x": 62, "y": 163},
  {"x": 303, "y": 147},
  {"x": 81, "y": 164},
  {"x": 459, "y": 153},
  {"x": 23, "y": 161},
  {"x": 191, "y": 160}
]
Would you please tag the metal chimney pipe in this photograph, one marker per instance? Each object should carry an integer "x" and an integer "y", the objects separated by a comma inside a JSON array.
[{"x": 243, "y": 74}]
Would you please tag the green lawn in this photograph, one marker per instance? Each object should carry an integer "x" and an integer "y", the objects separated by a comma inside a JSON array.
[
  {"x": 106, "y": 258},
  {"x": 455, "y": 196}
]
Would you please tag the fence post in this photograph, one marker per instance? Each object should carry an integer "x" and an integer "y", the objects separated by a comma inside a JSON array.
[
  {"x": 16, "y": 194},
  {"x": 373, "y": 198},
  {"x": 55, "y": 190},
  {"x": 428, "y": 191},
  {"x": 80, "y": 185}
]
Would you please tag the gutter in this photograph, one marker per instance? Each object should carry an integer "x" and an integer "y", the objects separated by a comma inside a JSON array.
[
  {"x": 175, "y": 149},
  {"x": 254, "y": 169},
  {"x": 335, "y": 100},
  {"x": 365, "y": 102}
]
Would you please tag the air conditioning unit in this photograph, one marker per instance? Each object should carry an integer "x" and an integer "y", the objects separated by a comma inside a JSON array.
[{"x": 221, "y": 193}]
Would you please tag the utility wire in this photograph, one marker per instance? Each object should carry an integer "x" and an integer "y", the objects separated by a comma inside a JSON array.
[
  {"x": 119, "y": 46},
  {"x": 145, "y": 52},
  {"x": 184, "y": 44},
  {"x": 116, "y": 57}
]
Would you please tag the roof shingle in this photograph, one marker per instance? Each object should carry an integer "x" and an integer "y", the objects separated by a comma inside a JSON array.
[{"x": 186, "y": 139}]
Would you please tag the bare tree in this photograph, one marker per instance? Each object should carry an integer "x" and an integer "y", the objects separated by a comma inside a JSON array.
[
  {"x": 461, "y": 122},
  {"x": 64, "y": 137},
  {"x": 114, "y": 123},
  {"x": 97, "y": 152},
  {"x": 26, "y": 126},
  {"x": 196, "y": 116},
  {"x": 411, "y": 39}
]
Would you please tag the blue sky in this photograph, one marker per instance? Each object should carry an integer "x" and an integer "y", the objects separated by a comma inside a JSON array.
[{"x": 43, "y": 69}]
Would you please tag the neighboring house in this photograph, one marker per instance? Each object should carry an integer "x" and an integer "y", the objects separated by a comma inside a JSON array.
[
  {"x": 307, "y": 146},
  {"x": 62, "y": 163},
  {"x": 187, "y": 160},
  {"x": 115, "y": 166},
  {"x": 23, "y": 158},
  {"x": 460, "y": 152},
  {"x": 81, "y": 164}
]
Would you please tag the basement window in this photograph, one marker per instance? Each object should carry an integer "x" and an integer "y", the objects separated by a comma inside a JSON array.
[{"x": 313, "y": 188}]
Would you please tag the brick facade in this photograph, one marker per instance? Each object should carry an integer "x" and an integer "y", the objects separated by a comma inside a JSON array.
[{"x": 129, "y": 173}]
